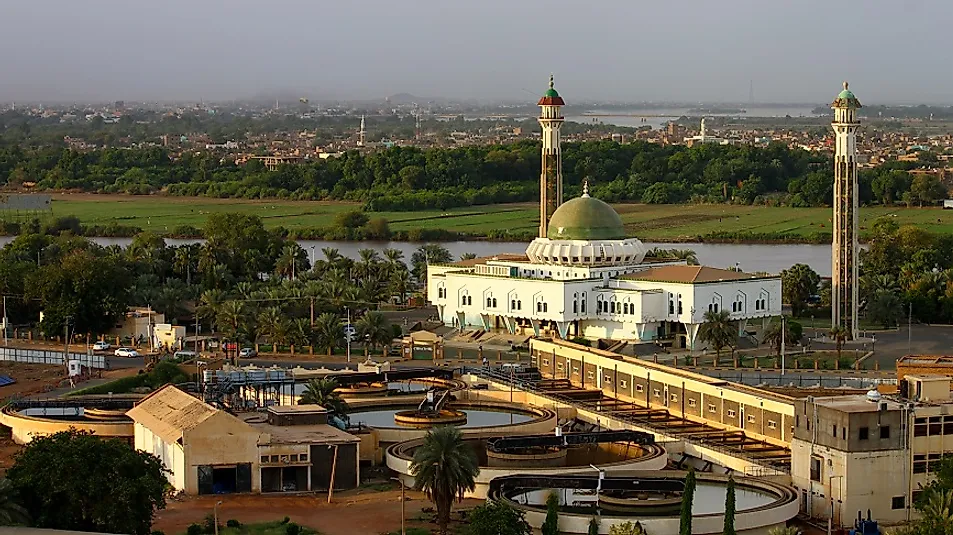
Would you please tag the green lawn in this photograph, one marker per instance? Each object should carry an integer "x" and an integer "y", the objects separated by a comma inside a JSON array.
[{"x": 649, "y": 222}]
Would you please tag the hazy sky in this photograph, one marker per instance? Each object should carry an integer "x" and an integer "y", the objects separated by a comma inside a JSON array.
[{"x": 690, "y": 50}]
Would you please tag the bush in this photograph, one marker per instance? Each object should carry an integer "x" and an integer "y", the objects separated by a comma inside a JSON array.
[
  {"x": 209, "y": 523},
  {"x": 232, "y": 523},
  {"x": 292, "y": 529},
  {"x": 195, "y": 529},
  {"x": 157, "y": 532},
  {"x": 285, "y": 520}
]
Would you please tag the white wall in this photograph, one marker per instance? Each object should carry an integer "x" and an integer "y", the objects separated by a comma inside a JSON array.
[{"x": 171, "y": 455}]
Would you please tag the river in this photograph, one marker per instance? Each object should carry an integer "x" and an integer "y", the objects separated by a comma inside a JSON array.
[
  {"x": 661, "y": 117},
  {"x": 749, "y": 257}
]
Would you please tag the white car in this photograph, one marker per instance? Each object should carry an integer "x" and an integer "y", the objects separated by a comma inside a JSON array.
[
  {"x": 101, "y": 346},
  {"x": 126, "y": 352}
]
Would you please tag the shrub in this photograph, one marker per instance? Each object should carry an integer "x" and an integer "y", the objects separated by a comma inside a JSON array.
[
  {"x": 232, "y": 523},
  {"x": 157, "y": 532},
  {"x": 195, "y": 529},
  {"x": 292, "y": 529},
  {"x": 209, "y": 524},
  {"x": 285, "y": 520}
]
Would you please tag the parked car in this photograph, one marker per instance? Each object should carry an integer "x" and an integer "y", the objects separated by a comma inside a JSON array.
[
  {"x": 247, "y": 353},
  {"x": 126, "y": 352},
  {"x": 184, "y": 354},
  {"x": 101, "y": 346}
]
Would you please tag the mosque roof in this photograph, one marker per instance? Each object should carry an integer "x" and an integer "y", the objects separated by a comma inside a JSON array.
[
  {"x": 551, "y": 97},
  {"x": 585, "y": 218},
  {"x": 689, "y": 275},
  {"x": 846, "y": 99}
]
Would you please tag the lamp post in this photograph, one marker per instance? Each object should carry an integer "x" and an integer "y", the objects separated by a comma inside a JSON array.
[
  {"x": 215, "y": 515},
  {"x": 602, "y": 475},
  {"x": 782, "y": 343},
  {"x": 402, "y": 506},
  {"x": 347, "y": 334}
]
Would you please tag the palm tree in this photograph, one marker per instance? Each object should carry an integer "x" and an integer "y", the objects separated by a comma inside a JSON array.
[
  {"x": 399, "y": 283},
  {"x": 328, "y": 332},
  {"x": 271, "y": 323},
  {"x": 444, "y": 468},
  {"x": 394, "y": 258},
  {"x": 718, "y": 330},
  {"x": 772, "y": 336},
  {"x": 937, "y": 509},
  {"x": 468, "y": 256},
  {"x": 11, "y": 512},
  {"x": 373, "y": 329},
  {"x": 209, "y": 302},
  {"x": 839, "y": 335},
  {"x": 369, "y": 259},
  {"x": 322, "y": 392},
  {"x": 230, "y": 318},
  {"x": 332, "y": 255}
]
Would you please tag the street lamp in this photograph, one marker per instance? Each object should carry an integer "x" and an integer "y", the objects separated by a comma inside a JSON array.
[
  {"x": 312, "y": 256},
  {"x": 215, "y": 515},
  {"x": 402, "y": 506}
]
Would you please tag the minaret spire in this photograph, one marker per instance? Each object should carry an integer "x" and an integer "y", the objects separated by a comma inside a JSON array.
[
  {"x": 551, "y": 175},
  {"x": 585, "y": 187},
  {"x": 844, "y": 287}
]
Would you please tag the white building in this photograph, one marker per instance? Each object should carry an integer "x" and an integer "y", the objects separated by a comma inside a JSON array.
[{"x": 586, "y": 278}]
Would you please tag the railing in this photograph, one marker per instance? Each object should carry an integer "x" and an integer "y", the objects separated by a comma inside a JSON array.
[
  {"x": 503, "y": 377},
  {"x": 42, "y": 356}
]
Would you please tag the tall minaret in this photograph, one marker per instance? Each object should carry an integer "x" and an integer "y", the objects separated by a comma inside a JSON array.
[
  {"x": 844, "y": 288},
  {"x": 360, "y": 134},
  {"x": 551, "y": 178}
]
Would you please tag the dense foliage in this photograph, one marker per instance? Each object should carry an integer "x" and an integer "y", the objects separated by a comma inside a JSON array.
[
  {"x": 72, "y": 480},
  {"x": 496, "y": 517},
  {"x": 248, "y": 283},
  {"x": 688, "y": 498},
  {"x": 402, "y": 178}
]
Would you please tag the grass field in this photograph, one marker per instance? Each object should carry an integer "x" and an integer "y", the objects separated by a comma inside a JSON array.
[{"x": 648, "y": 222}]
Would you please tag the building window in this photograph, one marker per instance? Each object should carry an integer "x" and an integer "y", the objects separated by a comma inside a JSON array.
[
  {"x": 639, "y": 388},
  {"x": 815, "y": 468},
  {"x": 575, "y": 370},
  {"x": 470, "y": 300},
  {"x": 863, "y": 433},
  {"x": 919, "y": 464},
  {"x": 711, "y": 408},
  {"x": 885, "y": 431},
  {"x": 591, "y": 374},
  {"x": 731, "y": 413},
  {"x": 303, "y": 457},
  {"x": 948, "y": 425},
  {"x": 545, "y": 307},
  {"x": 772, "y": 424},
  {"x": 920, "y": 427},
  {"x": 751, "y": 419},
  {"x": 692, "y": 402},
  {"x": 559, "y": 366},
  {"x": 584, "y": 302},
  {"x": 897, "y": 502},
  {"x": 575, "y": 306},
  {"x": 674, "y": 398},
  {"x": 656, "y": 393},
  {"x": 519, "y": 305},
  {"x": 513, "y": 304},
  {"x": 545, "y": 362},
  {"x": 671, "y": 304},
  {"x": 606, "y": 379},
  {"x": 834, "y": 430},
  {"x": 623, "y": 383},
  {"x": 489, "y": 302},
  {"x": 274, "y": 458},
  {"x": 494, "y": 302},
  {"x": 264, "y": 458},
  {"x": 936, "y": 425},
  {"x": 294, "y": 458}
]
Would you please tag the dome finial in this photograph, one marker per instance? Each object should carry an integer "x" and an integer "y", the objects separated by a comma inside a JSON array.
[
  {"x": 551, "y": 82},
  {"x": 845, "y": 85},
  {"x": 585, "y": 187}
]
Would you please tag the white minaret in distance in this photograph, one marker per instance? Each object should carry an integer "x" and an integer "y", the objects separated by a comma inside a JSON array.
[
  {"x": 360, "y": 135},
  {"x": 551, "y": 177},
  {"x": 844, "y": 300}
]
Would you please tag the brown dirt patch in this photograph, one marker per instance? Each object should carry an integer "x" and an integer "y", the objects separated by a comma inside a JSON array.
[
  {"x": 358, "y": 512},
  {"x": 31, "y": 378}
]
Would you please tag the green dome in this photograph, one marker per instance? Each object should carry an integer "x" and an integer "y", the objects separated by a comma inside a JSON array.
[
  {"x": 550, "y": 93},
  {"x": 846, "y": 94},
  {"x": 585, "y": 218}
]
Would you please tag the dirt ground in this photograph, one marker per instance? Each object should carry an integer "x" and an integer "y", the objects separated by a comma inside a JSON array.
[
  {"x": 357, "y": 512},
  {"x": 30, "y": 378}
]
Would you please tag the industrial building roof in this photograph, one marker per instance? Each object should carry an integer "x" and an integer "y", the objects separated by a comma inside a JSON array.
[
  {"x": 298, "y": 434},
  {"x": 170, "y": 412}
]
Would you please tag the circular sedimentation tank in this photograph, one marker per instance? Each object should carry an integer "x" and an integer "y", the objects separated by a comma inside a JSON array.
[
  {"x": 427, "y": 419},
  {"x": 651, "y": 498},
  {"x": 610, "y": 456}
]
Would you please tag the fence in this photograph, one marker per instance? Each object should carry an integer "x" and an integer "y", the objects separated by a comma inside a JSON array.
[
  {"x": 849, "y": 379},
  {"x": 55, "y": 358}
]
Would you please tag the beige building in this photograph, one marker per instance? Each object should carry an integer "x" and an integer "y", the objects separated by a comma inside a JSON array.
[
  {"x": 854, "y": 453},
  {"x": 209, "y": 451},
  {"x": 138, "y": 322}
]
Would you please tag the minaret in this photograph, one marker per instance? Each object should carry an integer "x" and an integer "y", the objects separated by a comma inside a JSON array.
[
  {"x": 360, "y": 135},
  {"x": 551, "y": 178},
  {"x": 844, "y": 301}
]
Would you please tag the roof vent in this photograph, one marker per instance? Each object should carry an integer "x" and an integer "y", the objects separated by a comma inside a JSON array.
[{"x": 873, "y": 396}]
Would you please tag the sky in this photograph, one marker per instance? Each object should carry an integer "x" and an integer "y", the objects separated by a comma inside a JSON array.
[{"x": 892, "y": 51}]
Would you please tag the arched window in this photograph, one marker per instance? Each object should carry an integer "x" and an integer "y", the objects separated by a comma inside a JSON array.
[
  {"x": 545, "y": 307},
  {"x": 519, "y": 305},
  {"x": 539, "y": 306},
  {"x": 583, "y": 302},
  {"x": 489, "y": 302},
  {"x": 469, "y": 299},
  {"x": 679, "y": 303},
  {"x": 575, "y": 306},
  {"x": 494, "y": 302}
]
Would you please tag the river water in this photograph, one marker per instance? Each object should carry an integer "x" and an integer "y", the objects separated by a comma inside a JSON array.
[
  {"x": 661, "y": 117},
  {"x": 748, "y": 257}
]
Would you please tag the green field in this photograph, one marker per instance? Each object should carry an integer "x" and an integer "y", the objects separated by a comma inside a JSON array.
[{"x": 648, "y": 222}]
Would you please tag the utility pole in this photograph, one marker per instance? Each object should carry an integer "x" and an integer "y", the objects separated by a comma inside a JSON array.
[
  {"x": 910, "y": 330},
  {"x": 347, "y": 334},
  {"x": 197, "y": 327},
  {"x": 312, "y": 311},
  {"x": 782, "y": 343},
  {"x": 4, "y": 320},
  {"x": 69, "y": 319}
]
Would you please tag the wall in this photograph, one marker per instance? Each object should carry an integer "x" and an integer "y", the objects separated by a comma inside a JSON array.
[
  {"x": 222, "y": 439},
  {"x": 24, "y": 428},
  {"x": 706, "y": 391},
  {"x": 171, "y": 455}
]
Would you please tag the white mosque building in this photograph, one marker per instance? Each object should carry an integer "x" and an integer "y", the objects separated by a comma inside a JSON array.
[{"x": 584, "y": 277}]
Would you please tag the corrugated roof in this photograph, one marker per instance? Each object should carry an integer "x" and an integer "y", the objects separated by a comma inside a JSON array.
[
  {"x": 689, "y": 275},
  {"x": 169, "y": 412}
]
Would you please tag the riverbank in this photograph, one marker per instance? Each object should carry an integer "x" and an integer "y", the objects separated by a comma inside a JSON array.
[{"x": 184, "y": 217}]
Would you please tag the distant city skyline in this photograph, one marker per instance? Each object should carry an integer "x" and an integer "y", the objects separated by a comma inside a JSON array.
[{"x": 496, "y": 50}]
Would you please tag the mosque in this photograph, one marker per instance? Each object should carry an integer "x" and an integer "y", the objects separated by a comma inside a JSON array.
[{"x": 584, "y": 277}]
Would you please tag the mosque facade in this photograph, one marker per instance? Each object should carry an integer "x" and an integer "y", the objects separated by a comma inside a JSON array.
[{"x": 584, "y": 277}]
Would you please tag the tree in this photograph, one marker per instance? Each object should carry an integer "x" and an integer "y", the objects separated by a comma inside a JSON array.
[
  {"x": 444, "y": 468},
  {"x": 839, "y": 335},
  {"x": 718, "y": 330},
  {"x": 593, "y": 526},
  {"x": 468, "y": 256},
  {"x": 498, "y": 518},
  {"x": 729, "y": 528},
  {"x": 884, "y": 308},
  {"x": 431, "y": 253},
  {"x": 927, "y": 189},
  {"x": 323, "y": 392},
  {"x": 798, "y": 284},
  {"x": 551, "y": 524},
  {"x": 784, "y": 531},
  {"x": 328, "y": 332},
  {"x": 11, "y": 512},
  {"x": 688, "y": 496},
  {"x": 374, "y": 329},
  {"x": 627, "y": 528},
  {"x": 62, "y": 480},
  {"x": 772, "y": 335}
]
